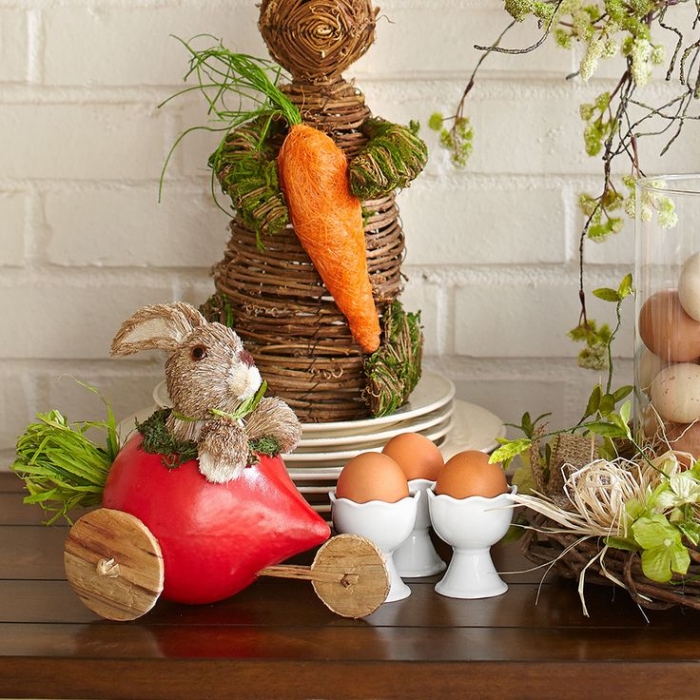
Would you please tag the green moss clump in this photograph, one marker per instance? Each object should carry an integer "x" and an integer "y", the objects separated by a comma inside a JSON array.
[
  {"x": 157, "y": 439},
  {"x": 393, "y": 371}
]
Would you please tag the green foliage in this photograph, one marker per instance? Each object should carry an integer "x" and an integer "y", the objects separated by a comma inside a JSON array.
[
  {"x": 247, "y": 407},
  {"x": 528, "y": 426},
  {"x": 600, "y": 123},
  {"x": 652, "y": 203},
  {"x": 508, "y": 450},
  {"x": 247, "y": 172},
  {"x": 436, "y": 121},
  {"x": 598, "y": 339},
  {"x": 617, "y": 119},
  {"x": 664, "y": 524},
  {"x": 520, "y": 9},
  {"x": 62, "y": 468},
  {"x": 601, "y": 213},
  {"x": 607, "y": 28},
  {"x": 394, "y": 369},
  {"x": 601, "y": 416},
  {"x": 263, "y": 446},
  {"x": 238, "y": 89},
  {"x": 458, "y": 140},
  {"x": 391, "y": 159}
]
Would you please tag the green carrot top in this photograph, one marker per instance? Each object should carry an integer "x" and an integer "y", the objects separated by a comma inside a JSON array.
[{"x": 237, "y": 88}]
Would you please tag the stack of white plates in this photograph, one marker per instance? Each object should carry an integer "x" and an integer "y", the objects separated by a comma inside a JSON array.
[
  {"x": 325, "y": 448},
  {"x": 429, "y": 412}
]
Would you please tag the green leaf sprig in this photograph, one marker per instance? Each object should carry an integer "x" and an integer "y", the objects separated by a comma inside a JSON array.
[
  {"x": 157, "y": 439},
  {"x": 599, "y": 339},
  {"x": 619, "y": 117},
  {"x": 246, "y": 407},
  {"x": 600, "y": 416}
]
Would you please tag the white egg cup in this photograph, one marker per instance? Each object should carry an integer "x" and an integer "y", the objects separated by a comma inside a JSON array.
[
  {"x": 388, "y": 525},
  {"x": 471, "y": 526},
  {"x": 417, "y": 557}
]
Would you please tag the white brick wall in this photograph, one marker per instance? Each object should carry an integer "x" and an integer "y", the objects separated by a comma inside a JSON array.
[{"x": 83, "y": 240}]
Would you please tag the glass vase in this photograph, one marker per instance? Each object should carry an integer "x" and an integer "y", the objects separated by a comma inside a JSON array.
[{"x": 667, "y": 304}]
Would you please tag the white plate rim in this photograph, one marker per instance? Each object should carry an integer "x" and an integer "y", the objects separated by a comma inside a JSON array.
[
  {"x": 419, "y": 424},
  {"x": 466, "y": 415},
  {"x": 468, "y": 419},
  {"x": 432, "y": 392},
  {"x": 439, "y": 432}
]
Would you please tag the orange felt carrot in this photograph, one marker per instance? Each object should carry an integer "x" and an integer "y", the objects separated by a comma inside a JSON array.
[
  {"x": 313, "y": 175},
  {"x": 327, "y": 218}
]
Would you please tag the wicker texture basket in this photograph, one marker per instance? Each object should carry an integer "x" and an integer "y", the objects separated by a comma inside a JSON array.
[{"x": 572, "y": 559}]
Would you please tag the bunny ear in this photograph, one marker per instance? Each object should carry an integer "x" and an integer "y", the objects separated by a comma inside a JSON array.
[{"x": 156, "y": 327}]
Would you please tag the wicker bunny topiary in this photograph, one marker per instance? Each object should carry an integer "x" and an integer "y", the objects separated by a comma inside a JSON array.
[
  {"x": 214, "y": 385},
  {"x": 297, "y": 310}
]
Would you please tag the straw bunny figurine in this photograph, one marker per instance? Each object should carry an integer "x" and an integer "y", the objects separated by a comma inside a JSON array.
[{"x": 213, "y": 384}]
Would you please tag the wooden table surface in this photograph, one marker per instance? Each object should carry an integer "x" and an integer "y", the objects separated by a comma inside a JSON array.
[{"x": 277, "y": 640}]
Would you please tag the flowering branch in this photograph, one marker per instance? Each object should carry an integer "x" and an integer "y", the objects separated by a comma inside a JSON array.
[{"x": 613, "y": 122}]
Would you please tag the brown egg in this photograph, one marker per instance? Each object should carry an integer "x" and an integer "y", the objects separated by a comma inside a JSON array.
[
  {"x": 417, "y": 455},
  {"x": 667, "y": 330},
  {"x": 372, "y": 476},
  {"x": 648, "y": 366},
  {"x": 684, "y": 438},
  {"x": 470, "y": 474}
]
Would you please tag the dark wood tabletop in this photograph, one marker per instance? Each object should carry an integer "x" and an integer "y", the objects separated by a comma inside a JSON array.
[{"x": 276, "y": 639}]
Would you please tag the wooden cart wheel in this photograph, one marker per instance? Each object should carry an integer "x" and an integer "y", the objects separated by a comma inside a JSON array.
[
  {"x": 365, "y": 583},
  {"x": 349, "y": 574},
  {"x": 114, "y": 563}
]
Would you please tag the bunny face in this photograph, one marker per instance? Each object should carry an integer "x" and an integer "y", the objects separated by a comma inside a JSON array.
[{"x": 210, "y": 369}]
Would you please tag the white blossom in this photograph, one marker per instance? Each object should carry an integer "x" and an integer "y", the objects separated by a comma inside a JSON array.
[
  {"x": 641, "y": 55},
  {"x": 589, "y": 64}
]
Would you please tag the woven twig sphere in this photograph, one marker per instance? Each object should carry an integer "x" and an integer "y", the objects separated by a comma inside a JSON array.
[{"x": 316, "y": 40}]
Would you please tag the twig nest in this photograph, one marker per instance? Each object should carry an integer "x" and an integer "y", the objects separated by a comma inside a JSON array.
[{"x": 317, "y": 40}]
